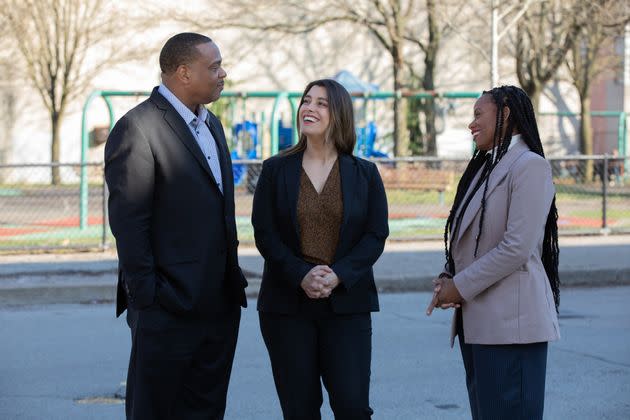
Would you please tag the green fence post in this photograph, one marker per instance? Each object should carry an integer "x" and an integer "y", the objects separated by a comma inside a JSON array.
[
  {"x": 261, "y": 135},
  {"x": 294, "y": 118},
  {"x": 625, "y": 146},
  {"x": 273, "y": 122},
  {"x": 83, "y": 189}
]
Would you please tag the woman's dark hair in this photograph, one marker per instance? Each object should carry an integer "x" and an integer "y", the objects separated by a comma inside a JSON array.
[
  {"x": 523, "y": 119},
  {"x": 341, "y": 126}
]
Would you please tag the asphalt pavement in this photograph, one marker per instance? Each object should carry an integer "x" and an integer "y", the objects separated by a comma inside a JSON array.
[{"x": 69, "y": 361}]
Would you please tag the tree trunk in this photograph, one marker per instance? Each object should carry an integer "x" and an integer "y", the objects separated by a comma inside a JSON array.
[
  {"x": 428, "y": 81},
  {"x": 416, "y": 142},
  {"x": 586, "y": 135},
  {"x": 55, "y": 119},
  {"x": 430, "y": 132},
  {"x": 7, "y": 124},
  {"x": 401, "y": 140},
  {"x": 534, "y": 96},
  {"x": 532, "y": 88}
]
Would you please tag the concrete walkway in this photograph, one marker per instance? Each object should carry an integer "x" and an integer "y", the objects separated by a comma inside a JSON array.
[{"x": 591, "y": 261}]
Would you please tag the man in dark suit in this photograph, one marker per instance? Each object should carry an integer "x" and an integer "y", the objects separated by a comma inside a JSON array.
[{"x": 171, "y": 209}]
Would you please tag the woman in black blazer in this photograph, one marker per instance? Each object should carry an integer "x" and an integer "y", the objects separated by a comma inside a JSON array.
[{"x": 320, "y": 222}]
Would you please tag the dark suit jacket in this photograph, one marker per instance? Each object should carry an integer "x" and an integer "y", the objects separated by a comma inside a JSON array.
[
  {"x": 361, "y": 239},
  {"x": 175, "y": 232}
]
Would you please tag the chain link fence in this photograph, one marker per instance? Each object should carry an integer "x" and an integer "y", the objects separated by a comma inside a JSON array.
[
  {"x": 35, "y": 215},
  {"x": 593, "y": 197}
]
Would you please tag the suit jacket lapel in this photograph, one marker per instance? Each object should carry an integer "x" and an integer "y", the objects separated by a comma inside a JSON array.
[
  {"x": 178, "y": 125},
  {"x": 222, "y": 151},
  {"x": 496, "y": 176},
  {"x": 292, "y": 173},
  {"x": 347, "y": 173}
]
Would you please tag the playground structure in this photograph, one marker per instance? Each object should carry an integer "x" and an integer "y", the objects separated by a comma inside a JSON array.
[
  {"x": 37, "y": 215},
  {"x": 261, "y": 137},
  {"x": 249, "y": 132}
]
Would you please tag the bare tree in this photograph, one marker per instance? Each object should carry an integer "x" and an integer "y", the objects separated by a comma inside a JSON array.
[
  {"x": 395, "y": 24},
  {"x": 64, "y": 45},
  {"x": 545, "y": 33},
  {"x": 419, "y": 142},
  {"x": 8, "y": 109},
  {"x": 8, "y": 99},
  {"x": 591, "y": 56}
]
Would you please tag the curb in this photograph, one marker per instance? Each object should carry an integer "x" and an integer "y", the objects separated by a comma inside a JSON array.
[
  {"x": 57, "y": 294},
  {"x": 86, "y": 289},
  {"x": 569, "y": 278}
]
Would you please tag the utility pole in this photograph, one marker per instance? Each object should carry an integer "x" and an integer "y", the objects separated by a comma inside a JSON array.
[
  {"x": 496, "y": 36},
  {"x": 494, "y": 60}
]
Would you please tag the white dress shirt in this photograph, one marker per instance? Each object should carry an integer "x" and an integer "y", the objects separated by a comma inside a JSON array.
[{"x": 198, "y": 125}]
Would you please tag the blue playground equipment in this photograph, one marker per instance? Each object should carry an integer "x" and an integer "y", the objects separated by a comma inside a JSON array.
[
  {"x": 365, "y": 141},
  {"x": 246, "y": 137},
  {"x": 285, "y": 136}
]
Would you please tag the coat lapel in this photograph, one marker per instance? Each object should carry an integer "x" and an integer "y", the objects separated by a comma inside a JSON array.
[
  {"x": 347, "y": 172},
  {"x": 223, "y": 152},
  {"x": 292, "y": 172},
  {"x": 178, "y": 125},
  {"x": 496, "y": 176}
]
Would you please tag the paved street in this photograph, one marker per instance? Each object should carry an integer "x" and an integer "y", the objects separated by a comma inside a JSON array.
[{"x": 54, "y": 355}]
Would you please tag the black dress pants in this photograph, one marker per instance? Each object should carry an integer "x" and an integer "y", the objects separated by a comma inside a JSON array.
[
  {"x": 505, "y": 382},
  {"x": 305, "y": 347},
  {"x": 179, "y": 367}
]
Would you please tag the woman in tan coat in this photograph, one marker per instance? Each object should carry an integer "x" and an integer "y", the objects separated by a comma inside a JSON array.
[{"x": 501, "y": 273}]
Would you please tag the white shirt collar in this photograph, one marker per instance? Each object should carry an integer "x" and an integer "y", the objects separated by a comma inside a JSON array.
[
  {"x": 188, "y": 116},
  {"x": 516, "y": 139}
]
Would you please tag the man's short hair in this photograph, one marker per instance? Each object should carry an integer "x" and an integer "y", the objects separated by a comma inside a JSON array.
[{"x": 180, "y": 49}]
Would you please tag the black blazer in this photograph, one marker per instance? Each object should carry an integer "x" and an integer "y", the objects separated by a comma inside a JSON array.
[
  {"x": 361, "y": 239},
  {"x": 175, "y": 232}
]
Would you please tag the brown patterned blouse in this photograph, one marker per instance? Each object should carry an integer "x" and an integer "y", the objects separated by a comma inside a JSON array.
[{"x": 319, "y": 217}]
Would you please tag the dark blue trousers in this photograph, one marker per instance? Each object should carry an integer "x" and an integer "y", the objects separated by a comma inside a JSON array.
[{"x": 505, "y": 382}]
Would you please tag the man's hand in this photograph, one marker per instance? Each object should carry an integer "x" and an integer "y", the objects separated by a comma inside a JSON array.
[{"x": 314, "y": 283}]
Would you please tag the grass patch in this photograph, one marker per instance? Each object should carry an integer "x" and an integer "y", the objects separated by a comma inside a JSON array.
[
  {"x": 400, "y": 196},
  {"x": 597, "y": 213}
]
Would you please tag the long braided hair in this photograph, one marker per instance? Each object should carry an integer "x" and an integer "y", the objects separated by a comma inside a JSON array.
[{"x": 522, "y": 118}]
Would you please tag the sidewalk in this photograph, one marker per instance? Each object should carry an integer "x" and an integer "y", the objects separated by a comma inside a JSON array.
[{"x": 591, "y": 261}]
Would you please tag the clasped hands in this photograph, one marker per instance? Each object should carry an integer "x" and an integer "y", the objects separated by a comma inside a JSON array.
[
  {"x": 445, "y": 294},
  {"x": 319, "y": 282}
]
